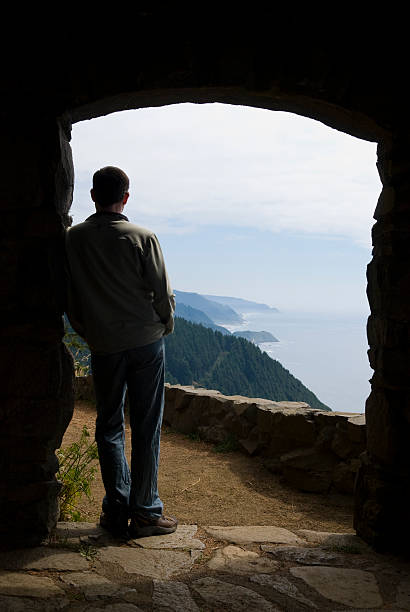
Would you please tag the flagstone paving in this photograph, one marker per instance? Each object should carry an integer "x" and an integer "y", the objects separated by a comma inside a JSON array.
[
  {"x": 283, "y": 585},
  {"x": 182, "y": 538},
  {"x": 255, "y": 568},
  {"x": 349, "y": 587},
  {"x": 247, "y": 535},
  {"x": 235, "y": 560},
  {"x": 305, "y": 556},
  {"x": 172, "y": 597},
  {"x": 341, "y": 540},
  {"x": 43, "y": 559}
]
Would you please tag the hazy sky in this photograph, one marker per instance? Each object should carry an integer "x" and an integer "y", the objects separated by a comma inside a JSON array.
[{"x": 263, "y": 205}]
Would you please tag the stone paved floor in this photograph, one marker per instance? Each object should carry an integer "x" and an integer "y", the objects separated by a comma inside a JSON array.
[{"x": 202, "y": 568}]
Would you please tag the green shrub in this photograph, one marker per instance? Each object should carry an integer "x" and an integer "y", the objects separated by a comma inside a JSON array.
[{"x": 76, "y": 474}]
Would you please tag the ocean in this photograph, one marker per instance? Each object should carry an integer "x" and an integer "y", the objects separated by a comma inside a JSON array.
[{"x": 328, "y": 353}]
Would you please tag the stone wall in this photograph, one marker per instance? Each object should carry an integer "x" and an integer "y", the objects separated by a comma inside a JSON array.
[
  {"x": 36, "y": 392},
  {"x": 383, "y": 492},
  {"x": 313, "y": 450}
]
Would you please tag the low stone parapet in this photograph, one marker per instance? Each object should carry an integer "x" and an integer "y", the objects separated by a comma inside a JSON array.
[{"x": 313, "y": 450}]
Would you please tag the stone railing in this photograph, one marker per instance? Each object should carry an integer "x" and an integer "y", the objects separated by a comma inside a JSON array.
[{"x": 312, "y": 450}]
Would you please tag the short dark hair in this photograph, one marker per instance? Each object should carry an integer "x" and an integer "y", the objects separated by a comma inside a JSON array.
[{"x": 110, "y": 184}]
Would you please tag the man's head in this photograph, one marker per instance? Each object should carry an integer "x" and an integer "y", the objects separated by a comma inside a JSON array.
[{"x": 110, "y": 187}]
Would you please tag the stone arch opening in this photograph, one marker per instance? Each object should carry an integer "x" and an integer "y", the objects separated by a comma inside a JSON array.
[
  {"x": 39, "y": 374},
  {"x": 108, "y": 130},
  {"x": 355, "y": 124},
  {"x": 373, "y": 518}
]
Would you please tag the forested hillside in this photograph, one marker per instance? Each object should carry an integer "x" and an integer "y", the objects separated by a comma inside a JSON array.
[
  {"x": 198, "y": 355},
  {"x": 234, "y": 366}
]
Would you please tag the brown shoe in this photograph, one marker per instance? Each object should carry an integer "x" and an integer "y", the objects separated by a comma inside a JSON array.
[
  {"x": 116, "y": 525},
  {"x": 142, "y": 526}
]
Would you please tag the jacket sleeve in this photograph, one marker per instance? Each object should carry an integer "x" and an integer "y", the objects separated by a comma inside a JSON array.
[{"x": 157, "y": 279}]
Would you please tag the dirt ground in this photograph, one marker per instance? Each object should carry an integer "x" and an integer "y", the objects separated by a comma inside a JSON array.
[{"x": 199, "y": 485}]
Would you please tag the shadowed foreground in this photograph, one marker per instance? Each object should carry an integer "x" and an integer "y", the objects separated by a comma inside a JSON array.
[
  {"x": 199, "y": 485},
  {"x": 210, "y": 568}
]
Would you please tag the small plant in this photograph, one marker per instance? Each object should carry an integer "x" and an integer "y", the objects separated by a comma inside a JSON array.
[
  {"x": 75, "y": 516},
  {"x": 76, "y": 474},
  {"x": 79, "y": 351},
  {"x": 229, "y": 445},
  {"x": 87, "y": 551}
]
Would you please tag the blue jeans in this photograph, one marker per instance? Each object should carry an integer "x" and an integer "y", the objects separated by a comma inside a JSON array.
[{"x": 140, "y": 369}]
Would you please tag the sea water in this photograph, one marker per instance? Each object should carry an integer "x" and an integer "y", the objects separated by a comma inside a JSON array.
[{"x": 326, "y": 352}]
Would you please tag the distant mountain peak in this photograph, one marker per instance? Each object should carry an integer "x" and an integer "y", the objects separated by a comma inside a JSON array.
[
  {"x": 239, "y": 304},
  {"x": 219, "y": 313}
]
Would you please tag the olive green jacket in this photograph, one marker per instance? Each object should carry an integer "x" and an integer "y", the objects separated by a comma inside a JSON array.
[{"x": 118, "y": 292}]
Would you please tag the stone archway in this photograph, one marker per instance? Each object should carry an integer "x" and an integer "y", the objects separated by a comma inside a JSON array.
[{"x": 319, "y": 82}]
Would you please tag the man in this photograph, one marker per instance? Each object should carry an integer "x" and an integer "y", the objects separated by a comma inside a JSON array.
[{"x": 121, "y": 303}]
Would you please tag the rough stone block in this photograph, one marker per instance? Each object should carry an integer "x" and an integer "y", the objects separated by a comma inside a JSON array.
[
  {"x": 251, "y": 444},
  {"x": 331, "y": 540},
  {"x": 348, "y": 587},
  {"x": 92, "y": 585},
  {"x": 28, "y": 514},
  {"x": 304, "y": 555},
  {"x": 283, "y": 430},
  {"x": 213, "y": 433},
  {"x": 172, "y": 597},
  {"x": 386, "y": 427},
  {"x": 356, "y": 430},
  {"x": 328, "y": 419},
  {"x": 250, "y": 534},
  {"x": 36, "y": 371},
  {"x": 20, "y": 584},
  {"x": 158, "y": 564},
  {"x": 341, "y": 444},
  {"x": 76, "y": 532},
  {"x": 235, "y": 560},
  {"x": 387, "y": 333},
  {"x": 223, "y": 595},
  {"x": 235, "y": 423},
  {"x": 43, "y": 559},
  {"x": 386, "y": 202},
  {"x": 344, "y": 476},
  {"x": 182, "y": 539},
  {"x": 51, "y": 416},
  {"x": 283, "y": 585},
  {"x": 309, "y": 469},
  {"x": 325, "y": 436},
  {"x": 24, "y": 186}
]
